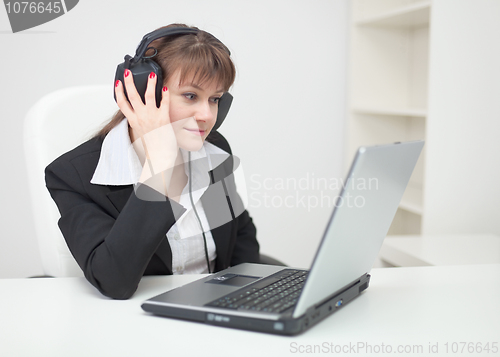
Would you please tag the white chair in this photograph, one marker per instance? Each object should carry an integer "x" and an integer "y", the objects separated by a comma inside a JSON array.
[{"x": 57, "y": 123}]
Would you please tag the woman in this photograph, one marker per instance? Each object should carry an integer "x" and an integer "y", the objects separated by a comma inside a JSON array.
[{"x": 153, "y": 192}]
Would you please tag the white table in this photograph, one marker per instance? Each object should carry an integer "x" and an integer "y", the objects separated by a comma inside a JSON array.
[
  {"x": 409, "y": 308},
  {"x": 441, "y": 250}
]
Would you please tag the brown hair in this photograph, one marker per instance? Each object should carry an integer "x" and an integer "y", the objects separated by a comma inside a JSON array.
[{"x": 199, "y": 55}]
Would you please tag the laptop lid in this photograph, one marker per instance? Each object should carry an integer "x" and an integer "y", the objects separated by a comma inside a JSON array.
[{"x": 361, "y": 219}]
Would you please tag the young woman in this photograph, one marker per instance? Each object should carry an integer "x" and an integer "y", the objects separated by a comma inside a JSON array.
[{"x": 153, "y": 192}]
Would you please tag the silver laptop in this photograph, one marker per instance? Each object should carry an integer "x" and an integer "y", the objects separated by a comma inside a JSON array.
[{"x": 288, "y": 301}]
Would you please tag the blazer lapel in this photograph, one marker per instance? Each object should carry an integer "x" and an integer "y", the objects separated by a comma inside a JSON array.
[{"x": 119, "y": 195}]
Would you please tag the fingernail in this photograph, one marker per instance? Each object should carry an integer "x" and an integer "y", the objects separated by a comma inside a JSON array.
[
  {"x": 117, "y": 83},
  {"x": 165, "y": 89},
  {"x": 127, "y": 72},
  {"x": 152, "y": 75}
]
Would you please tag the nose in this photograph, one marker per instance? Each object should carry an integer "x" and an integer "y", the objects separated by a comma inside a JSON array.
[{"x": 205, "y": 112}]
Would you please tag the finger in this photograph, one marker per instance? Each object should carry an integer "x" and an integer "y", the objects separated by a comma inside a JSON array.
[
  {"x": 122, "y": 101},
  {"x": 150, "y": 95},
  {"x": 133, "y": 95},
  {"x": 165, "y": 103}
]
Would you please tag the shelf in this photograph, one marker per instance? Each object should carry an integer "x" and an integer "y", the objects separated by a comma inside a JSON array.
[
  {"x": 415, "y": 15},
  {"x": 412, "y": 200},
  {"x": 404, "y": 112},
  {"x": 424, "y": 250}
]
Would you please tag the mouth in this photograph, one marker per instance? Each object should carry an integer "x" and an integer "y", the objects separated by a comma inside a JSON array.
[{"x": 196, "y": 131}]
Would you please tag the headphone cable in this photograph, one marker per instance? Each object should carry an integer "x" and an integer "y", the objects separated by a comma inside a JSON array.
[{"x": 196, "y": 213}]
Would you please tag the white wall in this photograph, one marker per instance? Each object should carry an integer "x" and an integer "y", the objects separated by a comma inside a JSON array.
[{"x": 286, "y": 122}]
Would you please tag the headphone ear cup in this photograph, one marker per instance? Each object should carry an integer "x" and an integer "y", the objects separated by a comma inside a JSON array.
[
  {"x": 140, "y": 72},
  {"x": 224, "y": 105}
]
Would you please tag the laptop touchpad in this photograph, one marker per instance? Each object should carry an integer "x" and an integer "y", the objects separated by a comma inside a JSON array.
[{"x": 233, "y": 280}]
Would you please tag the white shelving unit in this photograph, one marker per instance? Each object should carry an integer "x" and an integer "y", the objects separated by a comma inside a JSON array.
[
  {"x": 428, "y": 70},
  {"x": 389, "y": 80}
]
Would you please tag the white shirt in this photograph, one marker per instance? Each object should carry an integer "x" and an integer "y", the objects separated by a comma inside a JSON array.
[{"x": 119, "y": 165}]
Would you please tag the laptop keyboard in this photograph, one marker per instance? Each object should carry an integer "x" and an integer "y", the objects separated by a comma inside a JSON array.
[{"x": 276, "y": 293}]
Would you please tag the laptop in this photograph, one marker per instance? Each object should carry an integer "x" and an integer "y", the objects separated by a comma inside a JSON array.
[{"x": 288, "y": 301}]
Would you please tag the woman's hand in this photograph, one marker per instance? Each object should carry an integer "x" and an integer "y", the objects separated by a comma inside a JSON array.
[{"x": 142, "y": 118}]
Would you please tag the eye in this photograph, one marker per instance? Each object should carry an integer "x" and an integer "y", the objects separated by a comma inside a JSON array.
[
  {"x": 190, "y": 96},
  {"x": 215, "y": 100}
]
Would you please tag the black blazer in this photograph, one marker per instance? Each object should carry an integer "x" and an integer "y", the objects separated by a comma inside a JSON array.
[{"x": 116, "y": 237}]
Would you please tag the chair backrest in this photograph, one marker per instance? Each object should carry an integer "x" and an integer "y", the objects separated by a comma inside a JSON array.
[{"x": 57, "y": 123}]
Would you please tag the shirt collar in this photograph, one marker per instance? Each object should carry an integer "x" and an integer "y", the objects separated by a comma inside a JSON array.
[{"x": 119, "y": 164}]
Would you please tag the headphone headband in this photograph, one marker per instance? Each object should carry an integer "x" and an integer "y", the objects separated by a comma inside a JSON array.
[{"x": 154, "y": 35}]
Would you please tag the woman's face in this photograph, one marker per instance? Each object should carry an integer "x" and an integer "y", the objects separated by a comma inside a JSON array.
[{"x": 193, "y": 110}]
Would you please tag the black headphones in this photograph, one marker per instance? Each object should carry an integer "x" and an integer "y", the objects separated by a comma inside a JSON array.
[{"x": 141, "y": 66}]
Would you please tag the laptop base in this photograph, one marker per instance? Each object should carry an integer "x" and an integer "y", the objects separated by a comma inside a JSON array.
[{"x": 285, "y": 325}]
